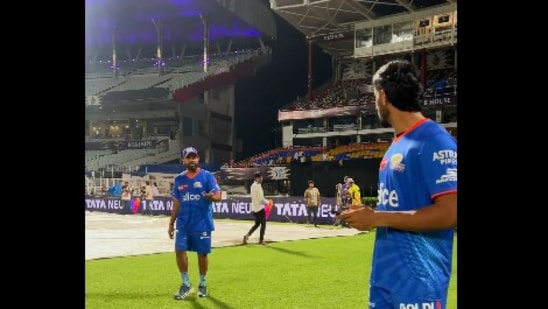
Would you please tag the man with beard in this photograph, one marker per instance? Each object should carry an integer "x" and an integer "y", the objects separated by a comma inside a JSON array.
[
  {"x": 416, "y": 213},
  {"x": 194, "y": 192}
]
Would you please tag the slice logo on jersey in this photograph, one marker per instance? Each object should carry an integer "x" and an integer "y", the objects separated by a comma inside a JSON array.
[
  {"x": 429, "y": 305},
  {"x": 383, "y": 164},
  {"x": 396, "y": 162},
  {"x": 445, "y": 156},
  {"x": 450, "y": 175},
  {"x": 182, "y": 187},
  {"x": 191, "y": 197},
  {"x": 386, "y": 197},
  {"x": 197, "y": 184}
]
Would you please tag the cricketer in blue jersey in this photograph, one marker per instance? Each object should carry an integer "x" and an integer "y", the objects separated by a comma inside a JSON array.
[
  {"x": 416, "y": 213},
  {"x": 194, "y": 191}
]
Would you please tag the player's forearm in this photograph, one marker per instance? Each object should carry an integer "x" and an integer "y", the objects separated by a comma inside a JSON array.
[
  {"x": 217, "y": 197},
  {"x": 433, "y": 217},
  {"x": 174, "y": 212}
]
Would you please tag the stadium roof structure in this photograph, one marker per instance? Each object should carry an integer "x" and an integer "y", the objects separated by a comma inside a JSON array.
[
  {"x": 330, "y": 23},
  {"x": 136, "y": 22}
]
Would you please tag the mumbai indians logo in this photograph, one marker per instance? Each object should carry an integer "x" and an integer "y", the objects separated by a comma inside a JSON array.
[{"x": 395, "y": 162}]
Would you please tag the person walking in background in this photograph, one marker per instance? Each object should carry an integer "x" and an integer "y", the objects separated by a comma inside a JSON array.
[
  {"x": 257, "y": 209},
  {"x": 354, "y": 194},
  {"x": 340, "y": 202},
  {"x": 155, "y": 190},
  {"x": 338, "y": 197},
  {"x": 194, "y": 192},
  {"x": 416, "y": 215},
  {"x": 126, "y": 198},
  {"x": 147, "y": 198},
  {"x": 346, "y": 200},
  {"x": 312, "y": 201},
  {"x": 142, "y": 198}
]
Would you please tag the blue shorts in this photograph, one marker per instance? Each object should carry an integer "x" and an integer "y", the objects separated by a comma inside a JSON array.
[
  {"x": 380, "y": 298},
  {"x": 199, "y": 242}
]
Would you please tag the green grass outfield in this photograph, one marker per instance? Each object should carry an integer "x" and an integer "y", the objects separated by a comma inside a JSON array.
[{"x": 315, "y": 273}]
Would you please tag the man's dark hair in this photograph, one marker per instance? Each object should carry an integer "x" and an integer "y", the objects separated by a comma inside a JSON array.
[{"x": 400, "y": 81}]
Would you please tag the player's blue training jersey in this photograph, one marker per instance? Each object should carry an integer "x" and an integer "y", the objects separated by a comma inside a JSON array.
[
  {"x": 418, "y": 166},
  {"x": 196, "y": 212}
]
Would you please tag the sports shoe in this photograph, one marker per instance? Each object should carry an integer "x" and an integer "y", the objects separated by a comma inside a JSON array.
[
  {"x": 184, "y": 291},
  {"x": 202, "y": 291},
  {"x": 246, "y": 237}
]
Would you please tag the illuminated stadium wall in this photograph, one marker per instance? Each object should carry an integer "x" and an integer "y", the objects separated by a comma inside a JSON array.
[{"x": 207, "y": 123}]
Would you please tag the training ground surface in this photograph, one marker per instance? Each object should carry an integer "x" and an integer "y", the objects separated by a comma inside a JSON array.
[{"x": 114, "y": 235}]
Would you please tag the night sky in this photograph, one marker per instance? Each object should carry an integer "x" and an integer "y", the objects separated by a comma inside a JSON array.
[{"x": 258, "y": 98}]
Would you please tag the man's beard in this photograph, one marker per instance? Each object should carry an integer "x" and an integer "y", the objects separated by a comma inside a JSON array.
[{"x": 192, "y": 167}]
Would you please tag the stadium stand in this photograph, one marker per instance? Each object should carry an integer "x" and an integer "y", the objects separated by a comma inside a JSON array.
[{"x": 189, "y": 98}]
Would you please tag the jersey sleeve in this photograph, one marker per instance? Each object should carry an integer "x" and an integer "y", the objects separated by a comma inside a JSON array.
[
  {"x": 212, "y": 184},
  {"x": 438, "y": 162},
  {"x": 175, "y": 193}
]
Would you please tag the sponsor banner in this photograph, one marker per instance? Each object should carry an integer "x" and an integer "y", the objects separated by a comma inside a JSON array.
[
  {"x": 443, "y": 100},
  {"x": 326, "y": 112},
  {"x": 229, "y": 174},
  {"x": 141, "y": 144},
  {"x": 121, "y": 145},
  {"x": 285, "y": 209},
  {"x": 348, "y": 35}
]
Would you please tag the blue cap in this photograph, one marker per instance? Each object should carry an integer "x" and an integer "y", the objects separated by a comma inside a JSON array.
[{"x": 189, "y": 150}]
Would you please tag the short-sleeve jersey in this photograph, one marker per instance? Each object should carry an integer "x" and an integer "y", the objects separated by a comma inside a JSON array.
[
  {"x": 418, "y": 166},
  {"x": 354, "y": 194},
  {"x": 196, "y": 212}
]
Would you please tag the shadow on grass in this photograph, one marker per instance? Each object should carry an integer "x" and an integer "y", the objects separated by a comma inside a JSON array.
[
  {"x": 125, "y": 296},
  {"x": 298, "y": 253},
  {"x": 191, "y": 299},
  {"x": 218, "y": 304},
  {"x": 205, "y": 303}
]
